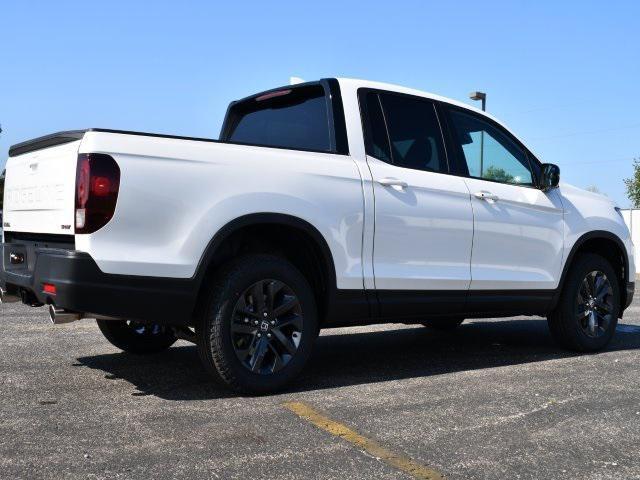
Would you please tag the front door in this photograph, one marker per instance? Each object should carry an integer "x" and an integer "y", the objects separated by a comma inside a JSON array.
[{"x": 518, "y": 228}]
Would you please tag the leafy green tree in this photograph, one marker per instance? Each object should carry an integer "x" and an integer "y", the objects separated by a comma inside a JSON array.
[
  {"x": 633, "y": 184},
  {"x": 498, "y": 174}
]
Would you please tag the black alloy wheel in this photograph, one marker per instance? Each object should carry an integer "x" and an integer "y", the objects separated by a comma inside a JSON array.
[
  {"x": 594, "y": 304},
  {"x": 266, "y": 327}
]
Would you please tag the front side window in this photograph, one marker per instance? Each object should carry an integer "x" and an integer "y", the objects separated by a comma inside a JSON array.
[
  {"x": 404, "y": 131},
  {"x": 489, "y": 153},
  {"x": 295, "y": 118}
]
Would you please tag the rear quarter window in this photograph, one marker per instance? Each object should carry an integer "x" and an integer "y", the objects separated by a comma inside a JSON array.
[{"x": 295, "y": 118}]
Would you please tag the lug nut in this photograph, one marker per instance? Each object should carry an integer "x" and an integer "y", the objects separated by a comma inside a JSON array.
[
  {"x": 259, "y": 335},
  {"x": 264, "y": 314},
  {"x": 273, "y": 322},
  {"x": 246, "y": 320},
  {"x": 255, "y": 322},
  {"x": 268, "y": 335}
]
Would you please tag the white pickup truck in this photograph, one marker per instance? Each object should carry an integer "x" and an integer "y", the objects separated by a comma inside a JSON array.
[{"x": 330, "y": 203}]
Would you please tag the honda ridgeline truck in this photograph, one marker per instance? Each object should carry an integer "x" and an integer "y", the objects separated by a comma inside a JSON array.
[{"x": 324, "y": 204}]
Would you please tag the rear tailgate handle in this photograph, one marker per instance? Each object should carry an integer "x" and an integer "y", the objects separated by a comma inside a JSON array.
[
  {"x": 484, "y": 195},
  {"x": 393, "y": 182}
]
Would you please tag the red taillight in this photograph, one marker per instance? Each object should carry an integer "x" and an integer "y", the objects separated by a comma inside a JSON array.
[
  {"x": 83, "y": 174},
  {"x": 97, "y": 184},
  {"x": 49, "y": 288},
  {"x": 100, "y": 186}
]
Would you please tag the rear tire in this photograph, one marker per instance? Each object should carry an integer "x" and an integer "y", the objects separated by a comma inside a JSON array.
[
  {"x": 443, "y": 324},
  {"x": 586, "y": 316},
  {"x": 258, "y": 325},
  {"x": 136, "y": 337}
]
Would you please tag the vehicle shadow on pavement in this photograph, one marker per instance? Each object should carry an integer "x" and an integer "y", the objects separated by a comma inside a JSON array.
[{"x": 360, "y": 358}]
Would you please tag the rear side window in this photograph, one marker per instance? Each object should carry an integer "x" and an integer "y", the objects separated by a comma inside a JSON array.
[
  {"x": 295, "y": 118},
  {"x": 377, "y": 139},
  {"x": 403, "y": 130}
]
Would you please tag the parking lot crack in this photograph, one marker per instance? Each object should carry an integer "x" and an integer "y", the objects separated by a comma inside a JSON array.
[{"x": 517, "y": 416}]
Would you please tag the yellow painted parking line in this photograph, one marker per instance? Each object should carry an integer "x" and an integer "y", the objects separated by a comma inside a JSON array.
[{"x": 398, "y": 461}]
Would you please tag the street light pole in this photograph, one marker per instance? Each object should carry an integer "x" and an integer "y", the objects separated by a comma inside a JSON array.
[
  {"x": 480, "y": 96},
  {"x": 483, "y": 97}
]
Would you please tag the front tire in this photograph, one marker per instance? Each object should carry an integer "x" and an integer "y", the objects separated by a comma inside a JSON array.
[
  {"x": 259, "y": 324},
  {"x": 136, "y": 337},
  {"x": 586, "y": 317}
]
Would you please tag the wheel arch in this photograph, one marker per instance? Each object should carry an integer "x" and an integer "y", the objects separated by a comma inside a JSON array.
[
  {"x": 603, "y": 243},
  {"x": 311, "y": 253}
]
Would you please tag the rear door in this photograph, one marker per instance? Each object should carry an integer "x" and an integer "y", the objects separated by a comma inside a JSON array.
[
  {"x": 39, "y": 195},
  {"x": 518, "y": 228},
  {"x": 423, "y": 218}
]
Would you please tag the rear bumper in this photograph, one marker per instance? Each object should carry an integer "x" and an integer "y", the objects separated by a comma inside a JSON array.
[{"x": 82, "y": 287}]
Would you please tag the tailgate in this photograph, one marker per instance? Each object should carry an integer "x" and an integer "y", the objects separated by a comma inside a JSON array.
[{"x": 39, "y": 194}]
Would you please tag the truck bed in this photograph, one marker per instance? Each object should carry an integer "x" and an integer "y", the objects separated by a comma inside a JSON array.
[{"x": 66, "y": 136}]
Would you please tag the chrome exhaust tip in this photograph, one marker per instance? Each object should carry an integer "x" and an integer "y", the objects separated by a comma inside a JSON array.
[
  {"x": 60, "y": 315},
  {"x": 6, "y": 297}
]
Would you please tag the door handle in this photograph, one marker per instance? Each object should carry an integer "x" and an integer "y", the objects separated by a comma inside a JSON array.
[
  {"x": 484, "y": 195},
  {"x": 393, "y": 182}
]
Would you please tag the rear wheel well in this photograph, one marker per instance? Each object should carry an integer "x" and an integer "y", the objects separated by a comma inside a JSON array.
[
  {"x": 296, "y": 244},
  {"x": 613, "y": 252}
]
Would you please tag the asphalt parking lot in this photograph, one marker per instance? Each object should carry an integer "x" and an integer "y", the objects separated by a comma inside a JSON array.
[{"x": 494, "y": 400}]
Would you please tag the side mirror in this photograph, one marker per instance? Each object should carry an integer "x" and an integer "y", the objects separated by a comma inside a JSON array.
[{"x": 550, "y": 176}]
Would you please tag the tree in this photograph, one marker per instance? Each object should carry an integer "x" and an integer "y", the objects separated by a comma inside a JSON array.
[
  {"x": 633, "y": 184},
  {"x": 498, "y": 174}
]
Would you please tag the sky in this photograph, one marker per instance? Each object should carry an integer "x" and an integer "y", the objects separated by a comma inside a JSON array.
[{"x": 563, "y": 75}]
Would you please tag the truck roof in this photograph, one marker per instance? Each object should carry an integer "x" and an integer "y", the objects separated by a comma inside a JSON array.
[{"x": 355, "y": 83}]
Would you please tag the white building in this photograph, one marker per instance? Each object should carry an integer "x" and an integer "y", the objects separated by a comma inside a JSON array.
[{"x": 632, "y": 219}]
